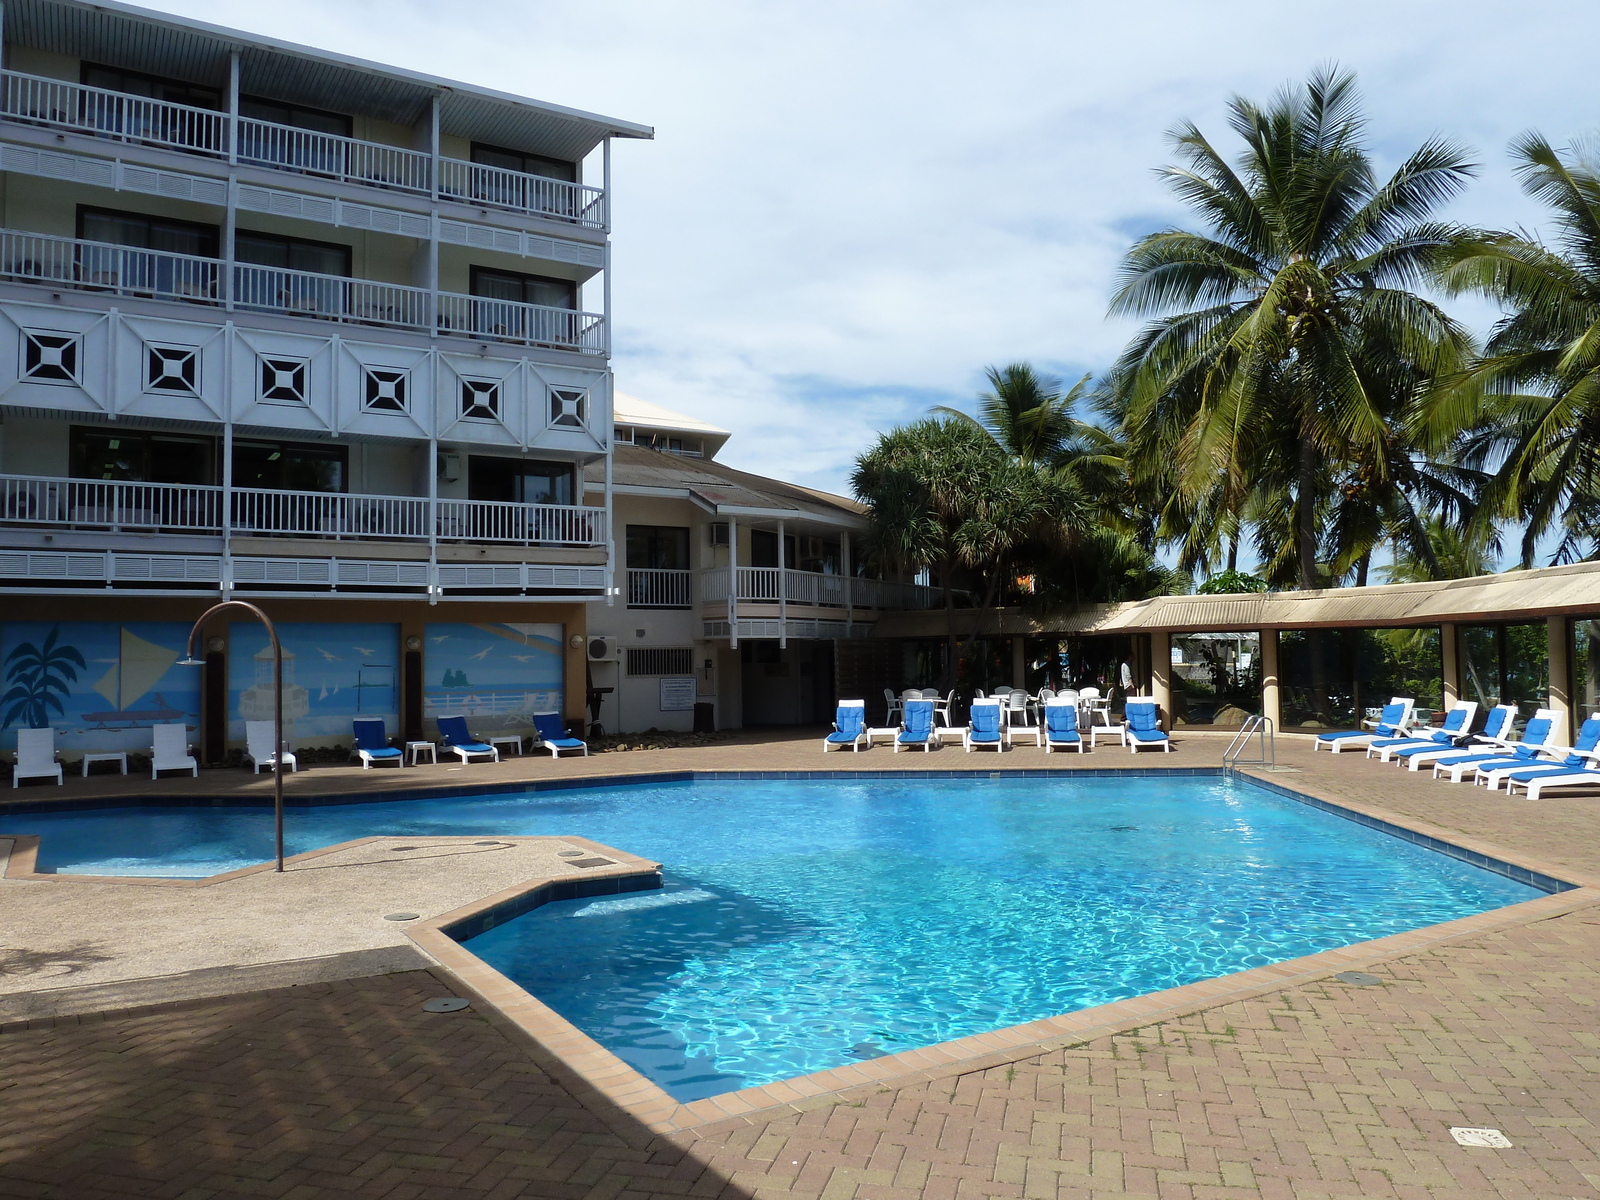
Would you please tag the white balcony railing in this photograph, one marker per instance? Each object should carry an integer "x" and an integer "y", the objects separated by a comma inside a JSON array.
[
  {"x": 525, "y": 524},
  {"x": 265, "y": 144},
  {"x": 528, "y": 324},
  {"x": 651, "y": 587},
  {"x": 129, "y": 271},
  {"x": 117, "y": 115},
  {"x": 38, "y": 501},
  {"x": 474, "y": 183},
  {"x": 329, "y": 297},
  {"x": 329, "y": 514},
  {"x": 95, "y": 503},
  {"x": 760, "y": 585},
  {"x": 101, "y": 267},
  {"x": 61, "y": 104}
]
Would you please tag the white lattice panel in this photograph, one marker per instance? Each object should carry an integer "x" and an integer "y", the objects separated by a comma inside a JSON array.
[
  {"x": 282, "y": 570},
  {"x": 397, "y": 574},
  {"x": 165, "y": 568},
  {"x": 28, "y": 564}
]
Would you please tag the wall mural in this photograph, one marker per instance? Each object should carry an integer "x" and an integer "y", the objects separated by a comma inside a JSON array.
[
  {"x": 498, "y": 675},
  {"x": 333, "y": 672},
  {"x": 99, "y": 684}
]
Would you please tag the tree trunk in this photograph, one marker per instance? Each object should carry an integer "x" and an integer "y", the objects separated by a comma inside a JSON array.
[
  {"x": 1306, "y": 536},
  {"x": 1362, "y": 565},
  {"x": 1233, "y": 551},
  {"x": 948, "y": 675}
]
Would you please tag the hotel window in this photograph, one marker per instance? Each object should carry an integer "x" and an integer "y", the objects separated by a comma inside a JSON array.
[
  {"x": 141, "y": 456},
  {"x": 291, "y": 254},
  {"x": 145, "y": 232},
  {"x": 524, "y": 289},
  {"x": 518, "y": 480},
  {"x": 295, "y": 116},
  {"x": 155, "y": 87},
  {"x": 527, "y": 164},
  {"x": 289, "y": 466},
  {"x": 658, "y": 548}
]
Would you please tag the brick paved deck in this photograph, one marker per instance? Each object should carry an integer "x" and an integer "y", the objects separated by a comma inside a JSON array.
[{"x": 1315, "y": 1090}]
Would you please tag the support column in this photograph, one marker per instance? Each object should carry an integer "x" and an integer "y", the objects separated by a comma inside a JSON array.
[
  {"x": 1019, "y": 663},
  {"x": 783, "y": 592},
  {"x": 1559, "y": 645},
  {"x": 1271, "y": 693},
  {"x": 1161, "y": 672},
  {"x": 1450, "y": 666},
  {"x": 733, "y": 583},
  {"x": 849, "y": 583}
]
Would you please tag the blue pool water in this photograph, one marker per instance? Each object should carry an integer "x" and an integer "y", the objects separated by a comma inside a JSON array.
[{"x": 807, "y": 924}]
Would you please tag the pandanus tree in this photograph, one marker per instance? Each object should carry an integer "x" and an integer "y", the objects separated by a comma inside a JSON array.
[
  {"x": 945, "y": 496},
  {"x": 1541, "y": 366},
  {"x": 1289, "y": 352}
]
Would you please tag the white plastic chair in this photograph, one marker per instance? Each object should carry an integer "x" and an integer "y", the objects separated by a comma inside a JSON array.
[
  {"x": 36, "y": 756},
  {"x": 1017, "y": 707},
  {"x": 893, "y": 709},
  {"x": 169, "y": 750},
  {"x": 258, "y": 748}
]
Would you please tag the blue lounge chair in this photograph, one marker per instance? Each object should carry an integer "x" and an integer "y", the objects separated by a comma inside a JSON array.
[
  {"x": 916, "y": 729},
  {"x": 456, "y": 738},
  {"x": 1391, "y": 723},
  {"x": 1536, "y": 734},
  {"x": 372, "y": 743},
  {"x": 983, "y": 727},
  {"x": 1579, "y": 756},
  {"x": 553, "y": 735},
  {"x": 1456, "y": 729},
  {"x": 849, "y": 726},
  {"x": 1061, "y": 726},
  {"x": 1142, "y": 725},
  {"x": 1496, "y": 725}
]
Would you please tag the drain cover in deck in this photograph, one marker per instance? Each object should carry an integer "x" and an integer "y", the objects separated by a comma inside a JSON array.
[
  {"x": 1492, "y": 1138},
  {"x": 445, "y": 1004},
  {"x": 1359, "y": 978}
]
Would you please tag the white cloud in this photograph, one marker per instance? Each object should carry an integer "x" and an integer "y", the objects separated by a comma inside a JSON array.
[{"x": 851, "y": 208}]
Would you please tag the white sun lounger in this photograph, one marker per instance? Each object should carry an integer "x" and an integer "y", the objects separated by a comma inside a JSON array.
[
  {"x": 1529, "y": 752},
  {"x": 1496, "y": 725},
  {"x": 1454, "y": 733},
  {"x": 258, "y": 748},
  {"x": 36, "y": 756},
  {"x": 169, "y": 750}
]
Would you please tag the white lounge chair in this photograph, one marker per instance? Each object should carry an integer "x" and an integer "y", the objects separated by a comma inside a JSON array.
[
  {"x": 985, "y": 726},
  {"x": 169, "y": 750},
  {"x": 1455, "y": 731},
  {"x": 1564, "y": 759},
  {"x": 1588, "y": 777},
  {"x": 849, "y": 727},
  {"x": 917, "y": 727},
  {"x": 36, "y": 756},
  {"x": 1061, "y": 726},
  {"x": 258, "y": 748},
  {"x": 552, "y": 735},
  {"x": 1527, "y": 752},
  {"x": 1141, "y": 723},
  {"x": 1391, "y": 722},
  {"x": 1496, "y": 725},
  {"x": 372, "y": 743}
]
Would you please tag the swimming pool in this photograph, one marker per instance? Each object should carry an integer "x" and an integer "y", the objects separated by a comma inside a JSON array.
[{"x": 805, "y": 924}]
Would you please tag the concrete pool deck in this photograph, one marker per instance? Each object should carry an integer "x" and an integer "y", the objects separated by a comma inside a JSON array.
[{"x": 1305, "y": 1087}]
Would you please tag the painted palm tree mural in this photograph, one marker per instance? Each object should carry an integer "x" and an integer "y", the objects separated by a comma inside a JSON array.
[{"x": 41, "y": 678}]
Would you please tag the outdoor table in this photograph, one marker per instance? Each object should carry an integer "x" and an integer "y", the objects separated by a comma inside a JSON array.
[
  {"x": 885, "y": 733},
  {"x": 120, "y": 758},
  {"x": 507, "y": 739},
  {"x": 414, "y": 752}
]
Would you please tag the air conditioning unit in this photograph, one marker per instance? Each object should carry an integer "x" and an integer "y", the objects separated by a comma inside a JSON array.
[
  {"x": 717, "y": 533},
  {"x": 603, "y": 649}
]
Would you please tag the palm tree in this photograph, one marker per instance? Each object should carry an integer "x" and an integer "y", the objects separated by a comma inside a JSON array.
[
  {"x": 1289, "y": 353},
  {"x": 1542, "y": 362}
]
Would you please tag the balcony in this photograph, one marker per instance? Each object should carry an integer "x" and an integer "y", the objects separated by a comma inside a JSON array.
[
  {"x": 656, "y": 588},
  {"x": 38, "y": 502},
  {"x": 128, "y": 271},
  {"x": 772, "y": 585},
  {"x": 59, "y": 104}
]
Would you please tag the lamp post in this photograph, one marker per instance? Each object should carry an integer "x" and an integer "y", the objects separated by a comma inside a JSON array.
[{"x": 277, "y": 703}]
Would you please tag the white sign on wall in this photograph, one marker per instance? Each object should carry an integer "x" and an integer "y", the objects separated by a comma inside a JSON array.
[{"x": 677, "y": 693}]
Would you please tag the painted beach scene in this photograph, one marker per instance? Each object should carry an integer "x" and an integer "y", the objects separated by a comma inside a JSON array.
[
  {"x": 333, "y": 672},
  {"x": 495, "y": 674}
]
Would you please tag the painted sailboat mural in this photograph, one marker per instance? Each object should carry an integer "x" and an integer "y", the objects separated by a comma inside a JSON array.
[
  {"x": 496, "y": 674},
  {"x": 140, "y": 666},
  {"x": 100, "y": 685}
]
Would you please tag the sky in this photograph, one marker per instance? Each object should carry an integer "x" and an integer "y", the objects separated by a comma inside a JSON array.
[{"x": 850, "y": 209}]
